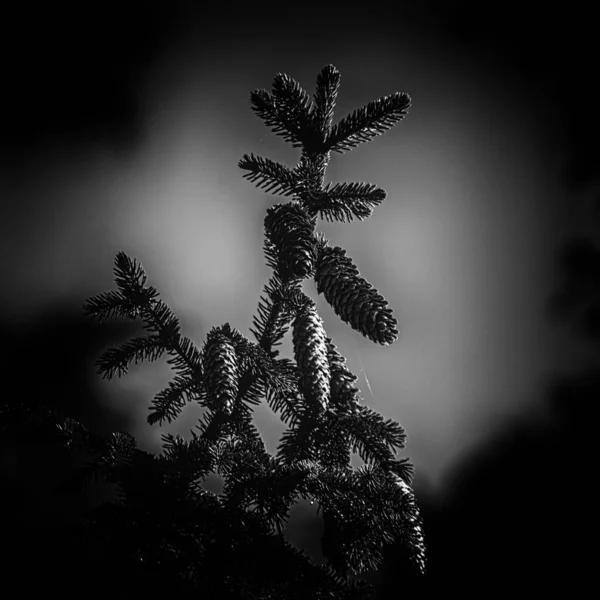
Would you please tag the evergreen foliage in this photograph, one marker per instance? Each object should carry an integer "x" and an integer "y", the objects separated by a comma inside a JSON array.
[{"x": 164, "y": 526}]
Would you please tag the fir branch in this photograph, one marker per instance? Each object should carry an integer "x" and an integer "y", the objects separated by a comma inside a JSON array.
[
  {"x": 272, "y": 261},
  {"x": 370, "y": 478},
  {"x": 240, "y": 451},
  {"x": 273, "y": 320},
  {"x": 134, "y": 299},
  {"x": 325, "y": 484},
  {"x": 291, "y": 98},
  {"x": 285, "y": 398},
  {"x": 292, "y": 407},
  {"x": 186, "y": 359},
  {"x": 294, "y": 106},
  {"x": 251, "y": 389},
  {"x": 264, "y": 105},
  {"x": 322, "y": 440},
  {"x": 367, "y": 122},
  {"x": 268, "y": 490},
  {"x": 287, "y": 111},
  {"x": 328, "y": 83},
  {"x": 160, "y": 319},
  {"x": 402, "y": 468},
  {"x": 116, "y": 360},
  {"x": 187, "y": 386},
  {"x": 120, "y": 451},
  {"x": 374, "y": 438},
  {"x": 295, "y": 443},
  {"x": 345, "y": 201},
  {"x": 411, "y": 526},
  {"x": 310, "y": 174},
  {"x": 110, "y": 305},
  {"x": 191, "y": 460},
  {"x": 279, "y": 377},
  {"x": 112, "y": 456},
  {"x": 273, "y": 379},
  {"x": 361, "y": 514},
  {"x": 352, "y": 540},
  {"x": 130, "y": 278},
  {"x": 168, "y": 403},
  {"x": 210, "y": 425},
  {"x": 272, "y": 176}
]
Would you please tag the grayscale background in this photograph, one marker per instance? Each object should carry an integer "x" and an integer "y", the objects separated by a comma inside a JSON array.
[{"x": 121, "y": 129}]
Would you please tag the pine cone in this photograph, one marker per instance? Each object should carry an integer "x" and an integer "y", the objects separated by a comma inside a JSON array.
[
  {"x": 353, "y": 298},
  {"x": 221, "y": 371},
  {"x": 291, "y": 231},
  {"x": 310, "y": 351},
  {"x": 343, "y": 391}
]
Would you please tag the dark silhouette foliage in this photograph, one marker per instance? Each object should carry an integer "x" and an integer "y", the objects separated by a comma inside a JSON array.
[{"x": 163, "y": 531}]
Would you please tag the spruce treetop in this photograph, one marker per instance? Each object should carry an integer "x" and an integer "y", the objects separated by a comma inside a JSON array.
[{"x": 314, "y": 393}]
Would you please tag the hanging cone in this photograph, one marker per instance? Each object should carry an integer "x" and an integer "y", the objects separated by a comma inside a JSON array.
[
  {"x": 343, "y": 391},
  {"x": 291, "y": 231},
  {"x": 353, "y": 298},
  {"x": 310, "y": 351},
  {"x": 221, "y": 371}
]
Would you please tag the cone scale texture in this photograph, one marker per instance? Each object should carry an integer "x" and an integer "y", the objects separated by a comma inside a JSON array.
[
  {"x": 343, "y": 391},
  {"x": 310, "y": 351},
  {"x": 353, "y": 298},
  {"x": 221, "y": 372},
  {"x": 291, "y": 231}
]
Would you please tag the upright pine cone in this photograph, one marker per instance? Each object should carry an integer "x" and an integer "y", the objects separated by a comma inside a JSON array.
[
  {"x": 310, "y": 352},
  {"x": 291, "y": 231},
  {"x": 353, "y": 298},
  {"x": 343, "y": 391},
  {"x": 221, "y": 371}
]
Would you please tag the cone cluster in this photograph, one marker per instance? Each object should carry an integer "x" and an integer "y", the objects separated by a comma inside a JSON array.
[
  {"x": 310, "y": 352},
  {"x": 353, "y": 298},
  {"x": 291, "y": 231},
  {"x": 221, "y": 369}
]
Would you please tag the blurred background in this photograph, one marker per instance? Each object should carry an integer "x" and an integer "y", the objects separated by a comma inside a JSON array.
[{"x": 121, "y": 126}]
